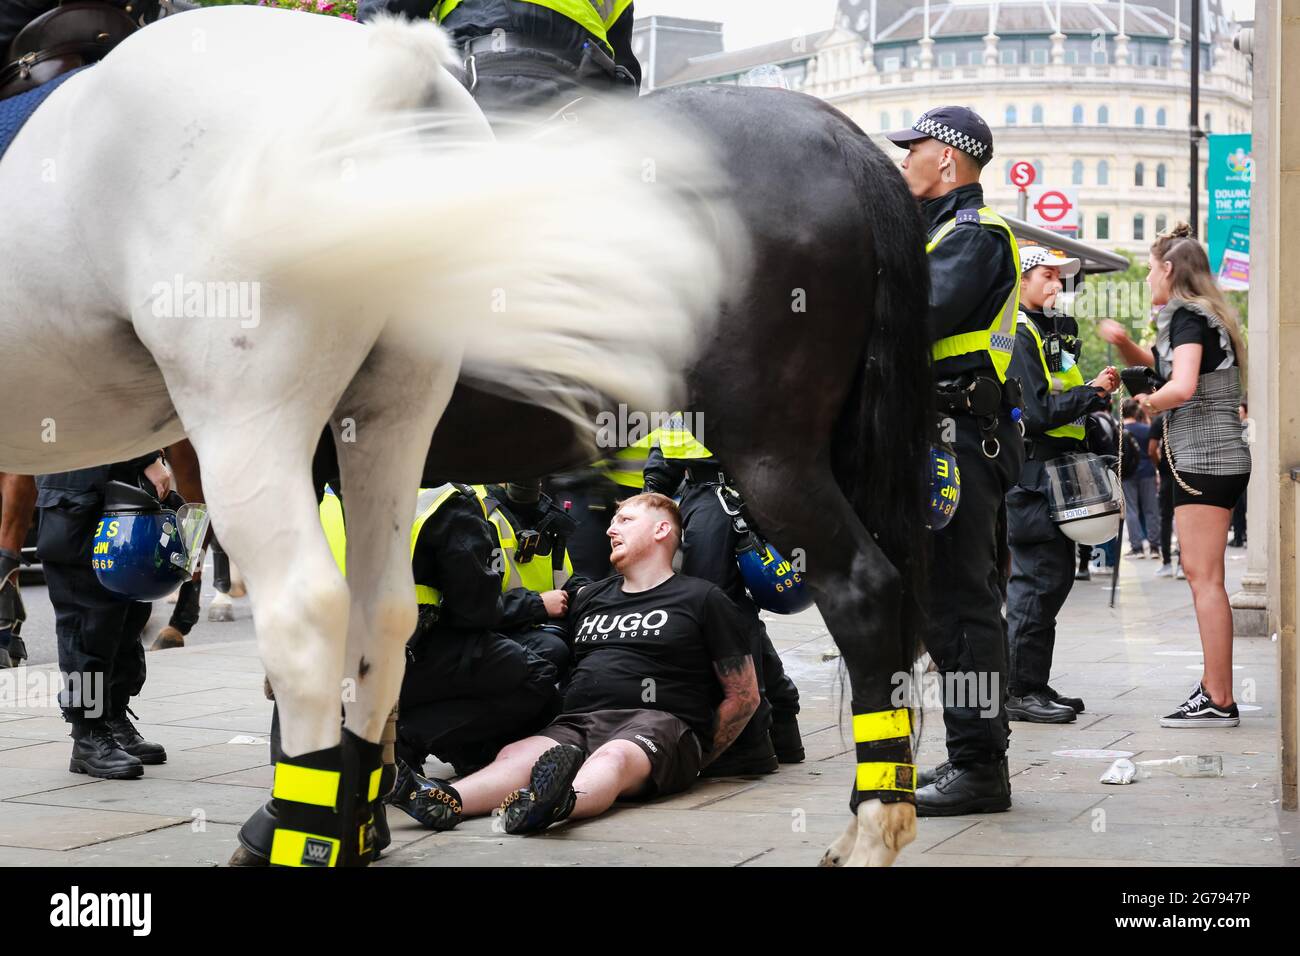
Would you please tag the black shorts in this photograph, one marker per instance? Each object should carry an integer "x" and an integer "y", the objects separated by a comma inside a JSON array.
[
  {"x": 1220, "y": 491},
  {"x": 672, "y": 746}
]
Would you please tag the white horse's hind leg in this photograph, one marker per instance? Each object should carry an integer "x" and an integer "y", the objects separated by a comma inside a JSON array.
[
  {"x": 842, "y": 848},
  {"x": 883, "y": 830}
]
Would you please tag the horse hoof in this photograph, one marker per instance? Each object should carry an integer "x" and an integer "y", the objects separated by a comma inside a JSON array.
[
  {"x": 221, "y": 613},
  {"x": 237, "y": 589},
  {"x": 883, "y": 830},
  {"x": 167, "y": 637},
  {"x": 244, "y": 857},
  {"x": 840, "y": 850}
]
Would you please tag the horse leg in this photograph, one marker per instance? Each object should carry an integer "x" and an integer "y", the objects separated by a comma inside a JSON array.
[
  {"x": 393, "y": 403},
  {"x": 861, "y": 607}
]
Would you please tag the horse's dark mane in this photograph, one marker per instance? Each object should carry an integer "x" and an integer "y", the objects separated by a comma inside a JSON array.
[{"x": 882, "y": 446}]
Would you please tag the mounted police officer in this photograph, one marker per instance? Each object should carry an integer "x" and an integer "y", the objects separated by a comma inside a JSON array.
[
  {"x": 974, "y": 293},
  {"x": 679, "y": 464},
  {"x": 1056, "y": 401},
  {"x": 537, "y": 56}
]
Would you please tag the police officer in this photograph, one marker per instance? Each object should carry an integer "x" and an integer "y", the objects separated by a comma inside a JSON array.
[
  {"x": 679, "y": 464},
  {"x": 1055, "y": 403},
  {"x": 592, "y": 495},
  {"x": 974, "y": 273},
  {"x": 538, "y": 581},
  {"x": 100, "y": 654},
  {"x": 532, "y": 56}
]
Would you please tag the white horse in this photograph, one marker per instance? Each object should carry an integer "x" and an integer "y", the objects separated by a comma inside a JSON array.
[{"x": 233, "y": 229}]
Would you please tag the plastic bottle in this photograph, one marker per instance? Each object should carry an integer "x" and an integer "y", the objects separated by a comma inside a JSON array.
[{"x": 1203, "y": 765}]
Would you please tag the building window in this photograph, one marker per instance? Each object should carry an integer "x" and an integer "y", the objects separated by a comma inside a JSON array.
[
  {"x": 974, "y": 57},
  {"x": 1006, "y": 171},
  {"x": 1103, "y": 173},
  {"x": 907, "y": 118},
  {"x": 1209, "y": 124},
  {"x": 1076, "y": 116},
  {"x": 1011, "y": 116},
  {"x": 1139, "y": 227},
  {"x": 1076, "y": 173},
  {"x": 1103, "y": 115},
  {"x": 1038, "y": 57},
  {"x": 1140, "y": 117},
  {"x": 1079, "y": 229},
  {"x": 1103, "y": 225},
  {"x": 1039, "y": 176},
  {"x": 1161, "y": 176},
  {"x": 1037, "y": 115},
  {"x": 1100, "y": 57},
  {"x": 1161, "y": 223},
  {"x": 1009, "y": 57},
  {"x": 1161, "y": 117},
  {"x": 1139, "y": 175},
  {"x": 947, "y": 60},
  {"x": 1071, "y": 58},
  {"x": 891, "y": 64},
  {"x": 884, "y": 120}
]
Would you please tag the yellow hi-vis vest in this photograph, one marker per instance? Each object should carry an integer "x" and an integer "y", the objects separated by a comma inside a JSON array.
[
  {"x": 540, "y": 573},
  {"x": 428, "y": 502},
  {"x": 626, "y": 466},
  {"x": 999, "y": 338},
  {"x": 676, "y": 442},
  {"x": 594, "y": 16},
  {"x": 1057, "y": 383}
]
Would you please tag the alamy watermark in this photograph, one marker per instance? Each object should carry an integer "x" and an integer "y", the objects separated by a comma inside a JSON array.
[
  {"x": 621, "y": 427},
  {"x": 193, "y": 299}
]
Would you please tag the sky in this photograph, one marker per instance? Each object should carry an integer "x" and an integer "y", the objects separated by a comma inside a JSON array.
[{"x": 751, "y": 22}]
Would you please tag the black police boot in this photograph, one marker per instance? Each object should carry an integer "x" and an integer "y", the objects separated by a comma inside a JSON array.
[
  {"x": 741, "y": 761},
  {"x": 95, "y": 751},
  {"x": 1038, "y": 708},
  {"x": 432, "y": 803},
  {"x": 966, "y": 788},
  {"x": 132, "y": 742},
  {"x": 786, "y": 739},
  {"x": 926, "y": 777},
  {"x": 549, "y": 796},
  {"x": 1074, "y": 703}
]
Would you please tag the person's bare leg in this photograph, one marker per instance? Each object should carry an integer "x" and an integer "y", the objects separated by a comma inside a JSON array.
[
  {"x": 1202, "y": 536},
  {"x": 482, "y": 791},
  {"x": 616, "y": 769}
]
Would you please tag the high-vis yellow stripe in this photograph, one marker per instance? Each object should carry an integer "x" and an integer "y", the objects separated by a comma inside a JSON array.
[
  {"x": 289, "y": 848},
  {"x": 372, "y": 792},
  {"x": 885, "y": 776},
  {"x": 319, "y": 788},
  {"x": 882, "y": 725}
]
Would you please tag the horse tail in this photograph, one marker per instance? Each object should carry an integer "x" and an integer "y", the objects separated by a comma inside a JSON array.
[
  {"x": 884, "y": 431},
  {"x": 557, "y": 266}
]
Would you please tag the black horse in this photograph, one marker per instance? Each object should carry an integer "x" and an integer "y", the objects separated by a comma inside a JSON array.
[{"x": 815, "y": 386}]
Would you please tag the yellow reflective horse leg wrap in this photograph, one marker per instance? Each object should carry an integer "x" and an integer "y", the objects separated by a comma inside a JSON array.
[
  {"x": 306, "y": 794},
  {"x": 883, "y": 741}
]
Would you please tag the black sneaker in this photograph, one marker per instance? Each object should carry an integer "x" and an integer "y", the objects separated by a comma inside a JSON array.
[
  {"x": 96, "y": 752},
  {"x": 1074, "y": 703},
  {"x": 434, "y": 804},
  {"x": 549, "y": 797},
  {"x": 132, "y": 742},
  {"x": 1200, "y": 711}
]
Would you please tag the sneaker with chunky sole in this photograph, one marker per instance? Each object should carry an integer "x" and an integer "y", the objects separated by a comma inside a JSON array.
[
  {"x": 549, "y": 797},
  {"x": 1200, "y": 711}
]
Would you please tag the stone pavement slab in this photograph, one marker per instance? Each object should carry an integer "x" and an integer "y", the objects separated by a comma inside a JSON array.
[{"x": 1130, "y": 664}]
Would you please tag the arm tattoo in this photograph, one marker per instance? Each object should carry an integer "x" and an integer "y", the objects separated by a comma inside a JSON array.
[{"x": 740, "y": 700}]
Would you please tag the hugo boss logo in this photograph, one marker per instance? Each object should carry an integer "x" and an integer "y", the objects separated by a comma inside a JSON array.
[{"x": 600, "y": 627}]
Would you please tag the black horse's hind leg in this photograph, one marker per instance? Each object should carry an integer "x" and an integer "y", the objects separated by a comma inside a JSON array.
[{"x": 859, "y": 594}]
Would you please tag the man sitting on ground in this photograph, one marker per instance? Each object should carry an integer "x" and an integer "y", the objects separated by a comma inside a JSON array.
[{"x": 662, "y": 684}]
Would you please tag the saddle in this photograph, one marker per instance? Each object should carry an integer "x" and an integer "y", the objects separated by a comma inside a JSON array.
[{"x": 72, "y": 35}]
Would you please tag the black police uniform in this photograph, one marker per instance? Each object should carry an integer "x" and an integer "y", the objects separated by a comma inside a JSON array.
[
  {"x": 540, "y": 60},
  {"x": 972, "y": 272},
  {"x": 1042, "y": 558},
  {"x": 98, "y": 631},
  {"x": 523, "y": 613},
  {"x": 467, "y": 691},
  {"x": 709, "y": 540}
]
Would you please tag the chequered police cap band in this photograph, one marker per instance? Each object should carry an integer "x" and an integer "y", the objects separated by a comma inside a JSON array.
[
  {"x": 1036, "y": 256},
  {"x": 946, "y": 134}
]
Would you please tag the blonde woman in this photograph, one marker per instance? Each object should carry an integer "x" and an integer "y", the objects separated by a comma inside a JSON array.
[{"x": 1201, "y": 354}]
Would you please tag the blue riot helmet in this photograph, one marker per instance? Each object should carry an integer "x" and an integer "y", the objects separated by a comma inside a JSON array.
[
  {"x": 772, "y": 582},
  {"x": 145, "y": 548},
  {"x": 945, "y": 486}
]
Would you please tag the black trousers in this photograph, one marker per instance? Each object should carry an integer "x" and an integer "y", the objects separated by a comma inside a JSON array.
[
  {"x": 549, "y": 646},
  {"x": 467, "y": 695},
  {"x": 709, "y": 551},
  {"x": 1042, "y": 574},
  {"x": 98, "y": 634},
  {"x": 967, "y": 636}
]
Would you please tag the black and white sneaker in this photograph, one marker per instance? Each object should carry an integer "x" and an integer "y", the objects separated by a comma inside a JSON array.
[{"x": 1199, "y": 711}]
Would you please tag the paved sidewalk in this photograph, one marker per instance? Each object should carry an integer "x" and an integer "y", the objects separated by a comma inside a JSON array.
[{"x": 205, "y": 704}]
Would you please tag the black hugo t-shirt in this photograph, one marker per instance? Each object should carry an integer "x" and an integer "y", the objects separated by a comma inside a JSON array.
[{"x": 653, "y": 650}]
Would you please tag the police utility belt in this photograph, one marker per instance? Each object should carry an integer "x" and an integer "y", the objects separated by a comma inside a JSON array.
[
  {"x": 983, "y": 398},
  {"x": 594, "y": 66}
]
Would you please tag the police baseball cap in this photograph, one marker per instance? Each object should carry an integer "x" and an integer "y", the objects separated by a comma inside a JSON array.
[
  {"x": 955, "y": 125},
  {"x": 1032, "y": 256}
]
